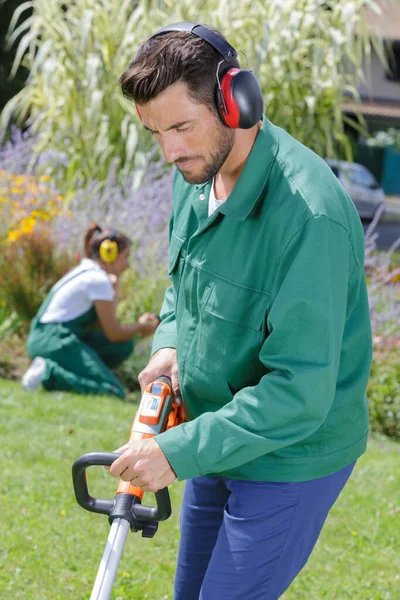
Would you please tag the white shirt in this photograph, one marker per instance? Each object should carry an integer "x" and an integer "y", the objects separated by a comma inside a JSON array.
[
  {"x": 74, "y": 297},
  {"x": 213, "y": 203}
]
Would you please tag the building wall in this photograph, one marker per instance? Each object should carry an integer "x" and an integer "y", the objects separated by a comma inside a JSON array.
[{"x": 378, "y": 88}]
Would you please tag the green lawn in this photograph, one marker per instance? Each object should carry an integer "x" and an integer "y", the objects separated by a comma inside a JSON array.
[{"x": 51, "y": 548}]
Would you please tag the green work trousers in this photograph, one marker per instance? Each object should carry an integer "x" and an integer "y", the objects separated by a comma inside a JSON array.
[{"x": 79, "y": 363}]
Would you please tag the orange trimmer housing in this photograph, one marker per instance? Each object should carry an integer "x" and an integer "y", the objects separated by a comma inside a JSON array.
[{"x": 156, "y": 413}]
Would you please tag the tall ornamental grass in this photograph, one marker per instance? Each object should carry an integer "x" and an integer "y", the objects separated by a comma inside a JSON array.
[{"x": 307, "y": 55}]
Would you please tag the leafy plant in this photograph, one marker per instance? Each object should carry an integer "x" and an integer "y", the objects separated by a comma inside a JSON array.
[
  {"x": 10, "y": 322},
  {"x": 29, "y": 267},
  {"x": 384, "y": 391},
  {"x": 383, "y": 271},
  {"x": 307, "y": 55},
  {"x": 390, "y": 137}
]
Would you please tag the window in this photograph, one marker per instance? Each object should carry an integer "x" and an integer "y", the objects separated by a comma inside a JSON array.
[{"x": 392, "y": 51}]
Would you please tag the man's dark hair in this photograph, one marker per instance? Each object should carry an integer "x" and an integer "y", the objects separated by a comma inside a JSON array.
[{"x": 171, "y": 57}]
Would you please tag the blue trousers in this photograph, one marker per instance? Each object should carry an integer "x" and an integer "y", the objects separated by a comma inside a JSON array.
[{"x": 249, "y": 539}]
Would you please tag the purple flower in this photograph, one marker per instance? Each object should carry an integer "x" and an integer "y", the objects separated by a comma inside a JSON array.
[{"x": 142, "y": 215}]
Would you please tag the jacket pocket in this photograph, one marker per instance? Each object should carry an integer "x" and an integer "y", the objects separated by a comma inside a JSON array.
[
  {"x": 233, "y": 304},
  {"x": 231, "y": 332},
  {"x": 175, "y": 263},
  {"x": 174, "y": 253}
]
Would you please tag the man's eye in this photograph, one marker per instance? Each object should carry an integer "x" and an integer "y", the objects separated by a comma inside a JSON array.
[{"x": 180, "y": 129}]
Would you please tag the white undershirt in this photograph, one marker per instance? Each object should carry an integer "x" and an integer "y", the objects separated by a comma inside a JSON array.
[
  {"x": 75, "y": 297},
  {"x": 213, "y": 203}
]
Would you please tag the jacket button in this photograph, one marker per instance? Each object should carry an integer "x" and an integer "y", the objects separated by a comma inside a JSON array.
[{"x": 202, "y": 196}]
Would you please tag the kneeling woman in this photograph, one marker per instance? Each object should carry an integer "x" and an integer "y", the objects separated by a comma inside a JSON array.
[{"x": 67, "y": 353}]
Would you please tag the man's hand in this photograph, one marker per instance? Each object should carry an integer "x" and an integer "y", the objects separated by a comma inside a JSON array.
[
  {"x": 163, "y": 362},
  {"x": 143, "y": 463}
]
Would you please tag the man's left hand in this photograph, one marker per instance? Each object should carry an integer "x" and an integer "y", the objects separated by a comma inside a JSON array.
[{"x": 143, "y": 463}]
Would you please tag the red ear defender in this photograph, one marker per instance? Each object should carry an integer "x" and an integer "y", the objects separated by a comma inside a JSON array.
[
  {"x": 238, "y": 94},
  {"x": 138, "y": 112},
  {"x": 232, "y": 115},
  {"x": 240, "y": 102}
]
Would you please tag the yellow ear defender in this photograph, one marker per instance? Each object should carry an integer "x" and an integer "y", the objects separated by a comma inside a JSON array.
[{"x": 109, "y": 249}]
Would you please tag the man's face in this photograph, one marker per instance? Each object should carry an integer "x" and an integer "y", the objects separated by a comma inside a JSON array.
[{"x": 190, "y": 135}]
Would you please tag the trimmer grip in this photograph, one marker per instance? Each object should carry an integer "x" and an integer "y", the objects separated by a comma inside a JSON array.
[
  {"x": 97, "y": 505},
  {"x": 82, "y": 495},
  {"x": 155, "y": 414}
]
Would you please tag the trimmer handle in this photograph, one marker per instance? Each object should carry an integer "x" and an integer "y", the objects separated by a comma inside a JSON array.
[{"x": 97, "y": 505}]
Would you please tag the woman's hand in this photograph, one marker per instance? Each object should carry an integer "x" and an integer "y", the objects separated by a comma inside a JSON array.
[
  {"x": 114, "y": 280},
  {"x": 148, "y": 323}
]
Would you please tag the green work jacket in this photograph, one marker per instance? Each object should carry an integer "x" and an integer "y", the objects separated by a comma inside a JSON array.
[{"x": 268, "y": 312}]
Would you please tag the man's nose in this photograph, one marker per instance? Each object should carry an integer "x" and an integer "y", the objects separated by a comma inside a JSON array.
[{"x": 171, "y": 147}]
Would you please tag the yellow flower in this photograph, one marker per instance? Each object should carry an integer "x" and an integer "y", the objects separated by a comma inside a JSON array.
[
  {"x": 44, "y": 178},
  {"x": 12, "y": 236},
  {"x": 41, "y": 214}
]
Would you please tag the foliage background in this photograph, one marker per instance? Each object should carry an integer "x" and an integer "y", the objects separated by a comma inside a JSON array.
[
  {"x": 9, "y": 86},
  {"x": 304, "y": 52}
]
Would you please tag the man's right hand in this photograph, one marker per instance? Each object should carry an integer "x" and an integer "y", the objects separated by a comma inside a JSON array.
[{"x": 163, "y": 362}]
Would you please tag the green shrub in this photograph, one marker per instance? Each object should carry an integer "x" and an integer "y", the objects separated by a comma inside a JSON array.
[
  {"x": 384, "y": 392},
  {"x": 129, "y": 370},
  {"x": 29, "y": 267},
  {"x": 139, "y": 294},
  {"x": 10, "y": 322}
]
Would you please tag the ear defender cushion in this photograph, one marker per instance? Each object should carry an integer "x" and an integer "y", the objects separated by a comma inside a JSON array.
[
  {"x": 243, "y": 99},
  {"x": 108, "y": 251}
]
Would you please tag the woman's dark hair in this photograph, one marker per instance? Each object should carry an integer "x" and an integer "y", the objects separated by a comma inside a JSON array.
[
  {"x": 95, "y": 235},
  {"x": 171, "y": 57}
]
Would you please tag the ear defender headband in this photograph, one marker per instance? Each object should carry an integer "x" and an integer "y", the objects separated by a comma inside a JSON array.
[
  {"x": 238, "y": 95},
  {"x": 108, "y": 250}
]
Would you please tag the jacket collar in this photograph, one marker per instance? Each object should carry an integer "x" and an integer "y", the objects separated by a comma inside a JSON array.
[{"x": 253, "y": 179}]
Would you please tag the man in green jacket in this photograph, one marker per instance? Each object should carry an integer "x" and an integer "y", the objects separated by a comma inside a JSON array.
[{"x": 265, "y": 329}]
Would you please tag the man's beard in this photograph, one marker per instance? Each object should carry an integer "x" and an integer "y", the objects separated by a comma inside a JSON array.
[{"x": 224, "y": 141}]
